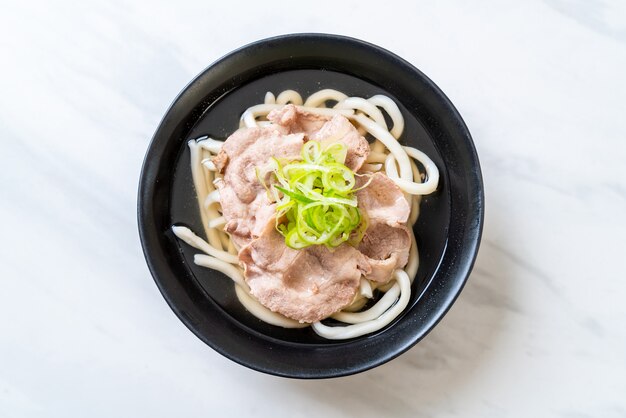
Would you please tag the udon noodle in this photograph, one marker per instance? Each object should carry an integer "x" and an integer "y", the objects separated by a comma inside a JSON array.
[{"x": 386, "y": 155}]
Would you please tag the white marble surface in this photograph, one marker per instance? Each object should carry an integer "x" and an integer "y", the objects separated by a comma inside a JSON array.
[{"x": 539, "y": 331}]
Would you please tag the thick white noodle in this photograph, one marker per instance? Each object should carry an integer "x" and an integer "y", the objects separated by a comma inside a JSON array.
[
  {"x": 432, "y": 175},
  {"x": 376, "y": 157},
  {"x": 392, "y": 110},
  {"x": 367, "y": 327},
  {"x": 356, "y": 305},
  {"x": 377, "y": 146},
  {"x": 231, "y": 248},
  {"x": 217, "y": 222},
  {"x": 388, "y": 299},
  {"x": 391, "y": 168},
  {"x": 358, "y": 103},
  {"x": 365, "y": 288},
  {"x": 208, "y": 175},
  {"x": 390, "y": 142},
  {"x": 415, "y": 209},
  {"x": 208, "y": 164},
  {"x": 321, "y": 97},
  {"x": 385, "y": 287},
  {"x": 183, "y": 233},
  {"x": 289, "y": 96},
  {"x": 200, "y": 184},
  {"x": 216, "y": 264},
  {"x": 225, "y": 239},
  {"x": 269, "y": 98},
  {"x": 213, "y": 197},
  {"x": 416, "y": 199},
  {"x": 212, "y": 145},
  {"x": 411, "y": 187}
]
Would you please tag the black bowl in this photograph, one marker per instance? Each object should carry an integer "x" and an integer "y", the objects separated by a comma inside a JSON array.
[{"x": 448, "y": 230}]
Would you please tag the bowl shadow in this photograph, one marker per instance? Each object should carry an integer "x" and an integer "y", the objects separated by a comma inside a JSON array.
[{"x": 445, "y": 362}]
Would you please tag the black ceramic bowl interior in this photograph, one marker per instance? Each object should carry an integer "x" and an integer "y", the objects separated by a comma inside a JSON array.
[{"x": 448, "y": 230}]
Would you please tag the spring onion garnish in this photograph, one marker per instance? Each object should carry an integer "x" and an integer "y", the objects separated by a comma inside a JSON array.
[{"x": 315, "y": 201}]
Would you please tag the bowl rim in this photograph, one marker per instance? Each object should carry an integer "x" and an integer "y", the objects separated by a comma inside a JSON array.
[{"x": 190, "y": 97}]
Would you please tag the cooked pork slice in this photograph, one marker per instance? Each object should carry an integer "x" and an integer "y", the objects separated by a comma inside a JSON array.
[
  {"x": 244, "y": 221},
  {"x": 249, "y": 148},
  {"x": 339, "y": 129},
  {"x": 387, "y": 241},
  {"x": 386, "y": 248},
  {"x": 294, "y": 119},
  {"x": 306, "y": 285},
  {"x": 382, "y": 200},
  {"x": 325, "y": 130},
  {"x": 244, "y": 201}
]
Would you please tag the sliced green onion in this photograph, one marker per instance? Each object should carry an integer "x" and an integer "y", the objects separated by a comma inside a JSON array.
[
  {"x": 315, "y": 200},
  {"x": 294, "y": 195}
]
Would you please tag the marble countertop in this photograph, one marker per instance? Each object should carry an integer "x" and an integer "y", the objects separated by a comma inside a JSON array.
[{"x": 540, "y": 329}]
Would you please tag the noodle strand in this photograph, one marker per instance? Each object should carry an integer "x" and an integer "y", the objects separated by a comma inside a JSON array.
[{"x": 367, "y": 327}]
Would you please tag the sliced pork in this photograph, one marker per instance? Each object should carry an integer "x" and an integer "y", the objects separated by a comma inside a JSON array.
[
  {"x": 339, "y": 129},
  {"x": 386, "y": 248},
  {"x": 244, "y": 221},
  {"x": 387, "y": 240},
  {"x": 383, "y": 200},
  {"x": 249, "y": 148},
  {"x": 294, "y": 119},
  {"x": 245, "y": 205},
  {"x": 306, "y": 285},
  {"x": 326, "y": 130}
]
